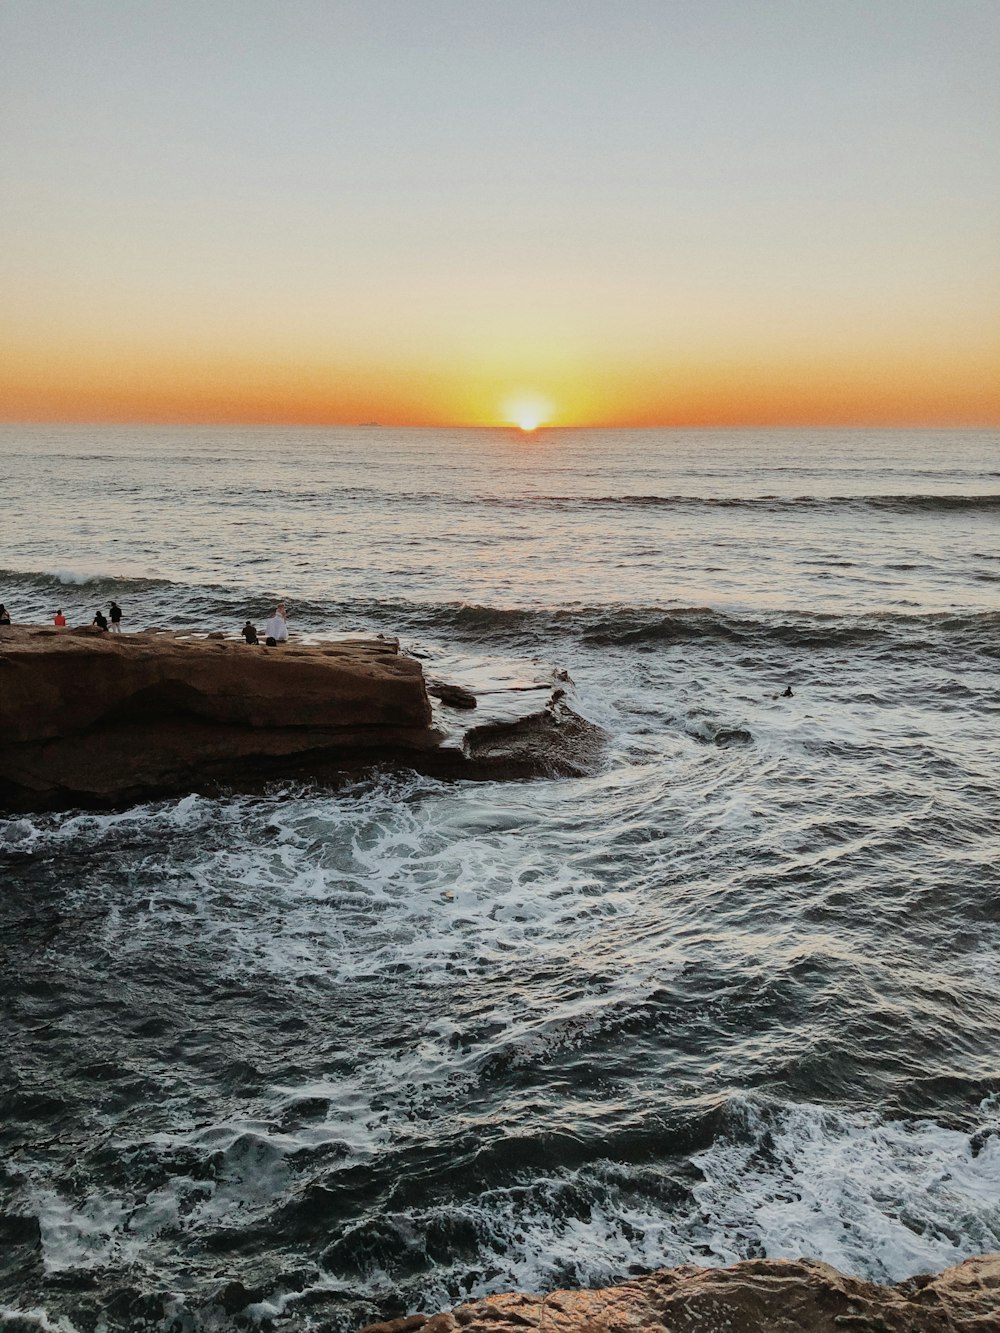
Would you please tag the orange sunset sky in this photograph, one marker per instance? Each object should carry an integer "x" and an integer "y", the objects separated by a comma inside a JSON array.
[{"x": 573, "y": 212}]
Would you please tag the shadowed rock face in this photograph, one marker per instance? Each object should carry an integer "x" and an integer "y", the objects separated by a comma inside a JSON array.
[
  {"x": 93, "y": 717},
  {"x": 88, "y": 718},
  {"x": 761, "y": 1296}
]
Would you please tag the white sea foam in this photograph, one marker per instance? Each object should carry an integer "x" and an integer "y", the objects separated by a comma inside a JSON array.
[
  {"x": 78, "y": 1235},
  {"x": 335, "y": 890},
  {"x": 879, "y": 1199},
  {"x": 883, "y": 1199},
  {"x": 250, "y": 1174},
  {"x": 74, "y": 578},
  {"x": 984, "y": 962},
  {"x": 36, "y": 1317}
]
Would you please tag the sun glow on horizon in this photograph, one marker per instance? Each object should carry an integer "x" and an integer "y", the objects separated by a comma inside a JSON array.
[{"x": 527, "y": 411}]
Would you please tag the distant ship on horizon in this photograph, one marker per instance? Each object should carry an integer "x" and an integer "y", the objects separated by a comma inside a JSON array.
[{"x": 369, "y": 423}]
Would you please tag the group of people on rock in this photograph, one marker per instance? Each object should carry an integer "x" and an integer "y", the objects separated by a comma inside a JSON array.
[
  {"x": 275, "y": 630},
  {"x": 100, "y": 619}
]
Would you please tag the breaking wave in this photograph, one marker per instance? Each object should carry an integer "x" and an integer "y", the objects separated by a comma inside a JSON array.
[
  {"x": 880, "y": 1199},
  {"x": 61, "y": 580},
  {"x": 614, "y": 626}
]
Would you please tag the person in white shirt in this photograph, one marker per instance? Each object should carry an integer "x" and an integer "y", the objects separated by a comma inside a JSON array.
[{"x": 276, "y": 629}]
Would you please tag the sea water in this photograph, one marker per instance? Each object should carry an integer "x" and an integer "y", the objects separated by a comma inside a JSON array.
[{"x": 371, "y": 1051}]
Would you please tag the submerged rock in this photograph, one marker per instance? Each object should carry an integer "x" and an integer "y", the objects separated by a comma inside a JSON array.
[
  {"x": 759, "y": 1296},
  {"x": 732, "y": 736},
  {"x": 90, "y": 718},
  {"x": 455, "y": 696}
]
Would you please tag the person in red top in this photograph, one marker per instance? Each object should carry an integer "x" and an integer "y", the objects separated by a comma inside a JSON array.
[{"x": 59, "y": 619}]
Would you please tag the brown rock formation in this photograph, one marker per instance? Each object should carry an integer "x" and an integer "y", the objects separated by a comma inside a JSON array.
[
  {"x": 90, "y": 718},
  {"x": 760, "y": 1296}
]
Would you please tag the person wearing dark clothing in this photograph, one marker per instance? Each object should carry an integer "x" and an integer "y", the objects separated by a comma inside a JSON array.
[
  {"x": 100, "y": 619},
  {"x": 4, "y": 615},
  {"x": 115, "y": 612},
  {"x": 249, "y": 632}
]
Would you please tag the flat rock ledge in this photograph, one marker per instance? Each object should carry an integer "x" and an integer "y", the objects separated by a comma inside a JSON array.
[
  {"x": 759, "y": 1296},
  {"x": 89, "y": 718}
]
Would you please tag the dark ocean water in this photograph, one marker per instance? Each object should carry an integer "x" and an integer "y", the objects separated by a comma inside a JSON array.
[{"x": 375, "y": 1051}]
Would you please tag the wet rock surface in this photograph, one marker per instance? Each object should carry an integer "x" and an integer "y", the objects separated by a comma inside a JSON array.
[
  {"x": 551, "y": 742},
  {"x": 759, "y": 1296},
  {"x": 454, "y": 696}
]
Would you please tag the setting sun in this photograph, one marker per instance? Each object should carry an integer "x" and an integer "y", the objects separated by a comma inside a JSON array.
[{"x": 527, "y": 411}]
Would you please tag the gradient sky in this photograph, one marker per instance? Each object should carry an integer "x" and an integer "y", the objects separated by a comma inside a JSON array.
[{"x": 423, "y": 211}]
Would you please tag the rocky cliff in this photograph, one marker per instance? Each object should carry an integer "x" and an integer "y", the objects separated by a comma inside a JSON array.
[
  {"x": 91, "y": 718},
  {"x": 760, "y": 1296}
]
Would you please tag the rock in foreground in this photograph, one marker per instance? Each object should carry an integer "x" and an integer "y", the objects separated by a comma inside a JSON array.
[
  {"x": 90, "y": 718},
  {"x": 760, "y": 1296}
]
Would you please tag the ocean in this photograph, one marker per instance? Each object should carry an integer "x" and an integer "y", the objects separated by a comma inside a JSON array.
[{"x": 379, "y": 1050}]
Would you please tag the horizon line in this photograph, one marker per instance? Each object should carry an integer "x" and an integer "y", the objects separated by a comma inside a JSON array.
[{"x": 373, "y": 424}]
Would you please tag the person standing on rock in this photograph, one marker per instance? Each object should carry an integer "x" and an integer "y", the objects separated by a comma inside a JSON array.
[
  {"x": 276, "y": 629},
  {"x": 115, "y": 612},
  {"x": 4, "y": 615}
]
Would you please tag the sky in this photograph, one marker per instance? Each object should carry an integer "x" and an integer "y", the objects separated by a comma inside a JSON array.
[{"x": 573, "y": 212}]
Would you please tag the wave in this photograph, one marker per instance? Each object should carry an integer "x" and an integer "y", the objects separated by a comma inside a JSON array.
[
  {"x": 793, "y": 629},
  {"x": 381, "y": 500},
  {"x": 878, "y": 1198},
  {"x": 774, "y": 503},
  {"x": 162, "y": 602},
  {"x": 771, "y": 503},
  {"x": 53, "y": 580},
  {"x": 630, "y": 626},
  {"x": 168, "y": 603}
]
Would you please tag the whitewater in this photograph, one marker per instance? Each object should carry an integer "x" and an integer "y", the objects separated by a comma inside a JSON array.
[{"x": 377, "y": 1050}]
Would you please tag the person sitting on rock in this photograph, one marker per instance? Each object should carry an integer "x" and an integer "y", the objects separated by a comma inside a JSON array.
[
  {"x": 276, "y": 629},
  {"x": 249, "y": 632},
  {"x": 115, "y": 612},
  {"x": 59, "y": 620},
  {"x": 4, "y": 615},
  {"x": 100, "y": 619}
]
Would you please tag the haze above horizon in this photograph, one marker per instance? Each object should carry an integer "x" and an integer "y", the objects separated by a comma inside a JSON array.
[{"x": 570, "y": 213}]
